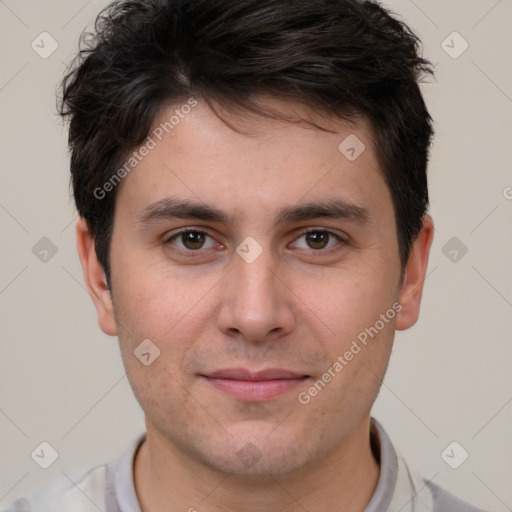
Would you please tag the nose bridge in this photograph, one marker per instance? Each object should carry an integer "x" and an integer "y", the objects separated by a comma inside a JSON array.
[
  {"x": 254, "y": 302},
  {"x": 257, "y": 278},
  {"x": 255, "y": 283}
]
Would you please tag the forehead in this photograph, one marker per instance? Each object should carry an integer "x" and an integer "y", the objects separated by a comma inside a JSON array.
[{"x": 239, "y": 158}]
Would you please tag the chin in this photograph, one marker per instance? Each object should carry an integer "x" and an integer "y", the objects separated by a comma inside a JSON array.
[{"x": 258, "y": 456}]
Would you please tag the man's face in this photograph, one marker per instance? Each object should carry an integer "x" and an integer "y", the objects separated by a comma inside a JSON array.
[{"x": 264, "y": 284}]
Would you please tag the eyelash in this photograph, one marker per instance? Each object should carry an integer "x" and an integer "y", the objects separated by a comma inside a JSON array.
[{"x": 196, "y": 253}]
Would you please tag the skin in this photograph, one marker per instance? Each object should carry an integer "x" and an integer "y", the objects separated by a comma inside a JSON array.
[{"x": 294, "y": 307}]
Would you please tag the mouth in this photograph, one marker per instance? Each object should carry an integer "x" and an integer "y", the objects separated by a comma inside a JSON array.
[{"x": 255, "y": 385}]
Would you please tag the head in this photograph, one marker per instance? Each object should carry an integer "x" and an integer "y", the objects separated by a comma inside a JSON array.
[{"x": 251, "y": 183}]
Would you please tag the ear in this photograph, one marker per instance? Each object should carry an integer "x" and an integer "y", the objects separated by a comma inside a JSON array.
[
  {"x": 95, "y": 279},
  {"x": 414, "y": 276}
]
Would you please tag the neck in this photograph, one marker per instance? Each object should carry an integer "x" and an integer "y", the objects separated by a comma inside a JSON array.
[{"x": 342, "y": 481}]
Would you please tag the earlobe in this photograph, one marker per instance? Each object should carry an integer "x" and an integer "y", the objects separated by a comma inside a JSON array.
[
  {"x": 95, "y": 278},
  {"x": 414, "y": 276}
]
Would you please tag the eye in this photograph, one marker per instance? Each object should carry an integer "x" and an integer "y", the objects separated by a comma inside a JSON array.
[
  {"x": 192, "y": 240},
  {"x": 317, "y": 239}
]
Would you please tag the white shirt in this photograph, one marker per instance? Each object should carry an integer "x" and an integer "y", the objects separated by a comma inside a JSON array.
[{"x": 110, "y": 488}]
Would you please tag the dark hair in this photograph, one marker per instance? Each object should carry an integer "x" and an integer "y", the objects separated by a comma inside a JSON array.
[{"x": 346, "y": 57}]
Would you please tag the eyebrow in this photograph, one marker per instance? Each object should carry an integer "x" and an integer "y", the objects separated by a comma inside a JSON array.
[{"x": 169, "y": 208}]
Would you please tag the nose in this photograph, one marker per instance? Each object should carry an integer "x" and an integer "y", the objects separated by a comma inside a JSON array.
[{"x": 256, "y": 302}]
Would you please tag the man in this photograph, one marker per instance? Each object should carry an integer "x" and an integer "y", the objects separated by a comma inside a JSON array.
[{"x": 251, "y": 182}]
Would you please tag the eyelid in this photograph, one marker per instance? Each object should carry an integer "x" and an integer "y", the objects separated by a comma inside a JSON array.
[
  {"x": 169, "y": 236},
  {"x": 309, "y": 229},
  {"x": 341, "y": 239}
]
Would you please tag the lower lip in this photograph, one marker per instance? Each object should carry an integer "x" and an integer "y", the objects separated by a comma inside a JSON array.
[{"x": 255, "y": 390}]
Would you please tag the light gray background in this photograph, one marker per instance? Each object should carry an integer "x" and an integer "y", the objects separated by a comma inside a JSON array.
[{"x": 61, "y": 378}]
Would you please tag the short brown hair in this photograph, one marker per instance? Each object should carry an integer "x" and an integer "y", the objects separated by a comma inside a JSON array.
[{"x": 346, "y": 57}]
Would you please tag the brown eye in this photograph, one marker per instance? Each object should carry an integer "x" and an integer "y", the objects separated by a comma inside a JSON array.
[
  {"x": 192, "y": 240},
  {"x": 317, "y": 240}
]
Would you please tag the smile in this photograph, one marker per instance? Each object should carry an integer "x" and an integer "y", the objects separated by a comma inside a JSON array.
[{"x": 255, "y": 386}]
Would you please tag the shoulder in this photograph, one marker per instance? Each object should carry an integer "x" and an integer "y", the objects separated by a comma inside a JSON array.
[
  {"x": 86, "y": 495},
  {"x": 437, "y": 498},
  {"x": 405, "y": 487},
  {"x": 98, "y": 489},
  {"x": 445, "y": 501}
]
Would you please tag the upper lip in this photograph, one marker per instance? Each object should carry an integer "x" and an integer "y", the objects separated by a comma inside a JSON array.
[{"x": 244, "y": 374}]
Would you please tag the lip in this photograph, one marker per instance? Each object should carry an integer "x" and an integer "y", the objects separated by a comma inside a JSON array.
[{"x": 255, "y": 385}]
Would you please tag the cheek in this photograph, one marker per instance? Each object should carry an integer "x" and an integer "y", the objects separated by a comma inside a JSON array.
[
  {"x": 170, "y": 310},
  {"x": 358, "y": 339},
  {"x": 153, "y": 302},
  {"x": 348, "y": 302},
  {"x": 353, "y": 377}
]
